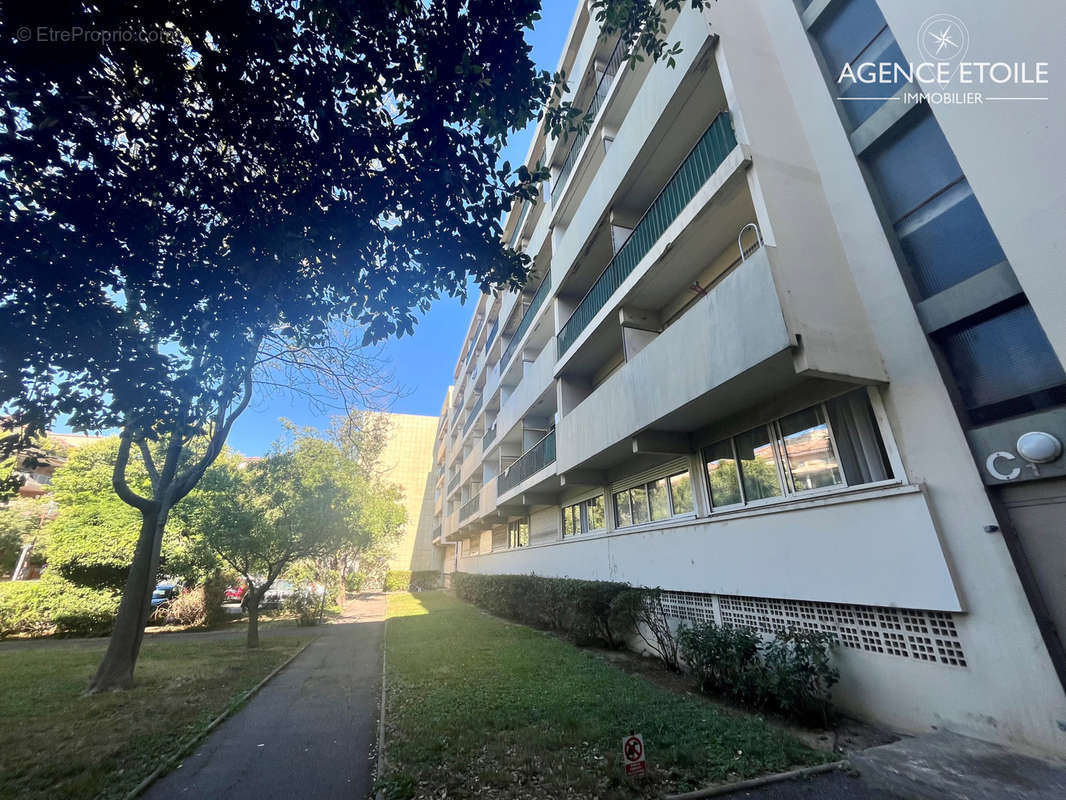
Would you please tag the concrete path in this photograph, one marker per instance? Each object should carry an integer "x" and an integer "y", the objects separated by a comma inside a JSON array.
[{"x": 310, "y": 732}]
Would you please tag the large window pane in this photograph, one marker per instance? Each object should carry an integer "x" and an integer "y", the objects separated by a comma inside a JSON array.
[
  {"x": 660, "y": 502},
  {"x": 758, "y": 467},
  {"x": 681, "y": 491},
  {"x": 594, "y": 508},
  {"x": 913, "y": 164},
  {"x": 638, "y": 497},
  {"x": 846, "y": 31},
  {"x": 859, "y": 445},
  {"x": 623, "y": 514},
  {"x": 858, "y": 111},
  {"x": 523, "y": 532},
  {"x": 951, "y": 247},
  {"x": 568, "y": 521},
  {"x": 722, "y": 474},
  {"x": 811, "y": 462}
]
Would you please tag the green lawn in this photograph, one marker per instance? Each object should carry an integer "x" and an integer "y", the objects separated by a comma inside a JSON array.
[
  {"x": 56, "y": 743},
  {"x": 480, "y": 707}
]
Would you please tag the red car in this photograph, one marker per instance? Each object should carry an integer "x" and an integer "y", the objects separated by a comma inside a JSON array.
[{"x": 235, "y": 593}]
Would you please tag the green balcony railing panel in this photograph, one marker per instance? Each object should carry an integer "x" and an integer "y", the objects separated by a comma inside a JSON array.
[
  {"x": 527, "y": 320},
  {"x": 701, "y": 162},
  {"x": 529, "y": 463}
]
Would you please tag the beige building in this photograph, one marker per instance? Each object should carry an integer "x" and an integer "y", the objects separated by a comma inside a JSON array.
[
  {"x": 407, "y": 460},
  {"x": 792, "y": 349}
]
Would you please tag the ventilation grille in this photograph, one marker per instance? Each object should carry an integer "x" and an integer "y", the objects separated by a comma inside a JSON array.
[{"x": 909, "y": 633}]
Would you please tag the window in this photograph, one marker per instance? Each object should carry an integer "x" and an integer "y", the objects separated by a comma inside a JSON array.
[
  {"x": 473, "y": 546},
  {"x": 584, "y": 517},
  {"x": 655, "y": 500},
  {"x": 836, "y": 443},
  {"x": 518, "y": 533}
]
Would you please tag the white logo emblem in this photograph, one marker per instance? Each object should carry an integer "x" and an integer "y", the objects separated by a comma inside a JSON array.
[{"x": 943, "y": 37}]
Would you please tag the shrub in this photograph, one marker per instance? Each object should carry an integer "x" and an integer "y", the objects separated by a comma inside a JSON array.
[
  {"x": 724, "y": 660},
  {"x": 641, "y": 610},
  {"x": 581, "y": 609},
  {"x": 54, "y": 605},
  {"x": 790, "y": 672},
  {"x": 354, "y": 581},
  {"x": 404, "y": 580},
  {"x": 188, "y": 608},
  {"x": 308, "y": 605}
]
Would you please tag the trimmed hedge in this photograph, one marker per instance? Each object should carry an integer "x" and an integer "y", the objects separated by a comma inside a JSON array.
[
  {"x": 404, "y": 580},
  {"x": 584, "y": 610},
  {"x": 54, "y": 605}
]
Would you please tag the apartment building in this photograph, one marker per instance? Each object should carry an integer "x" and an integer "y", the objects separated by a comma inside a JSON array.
[{"x": 791, "y": 350}]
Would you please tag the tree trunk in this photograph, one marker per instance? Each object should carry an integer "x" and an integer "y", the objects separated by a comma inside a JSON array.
[
  {"x": 253, "y": 618},
  {"x": 116, "y": 670}
]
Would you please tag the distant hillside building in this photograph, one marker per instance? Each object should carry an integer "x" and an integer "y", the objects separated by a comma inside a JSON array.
[{"x": 407, "y": 460}]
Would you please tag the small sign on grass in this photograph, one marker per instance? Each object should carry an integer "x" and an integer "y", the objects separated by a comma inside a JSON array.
[{"x": 633, "y": 755}]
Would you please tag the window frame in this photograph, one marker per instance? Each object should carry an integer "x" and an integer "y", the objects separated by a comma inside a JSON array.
[
  {"x": 579, "y": 511},
  {"x": 667, "y": 479},
  {"x": 514, "y": 533},
  {"x": 784, "y": 470}
]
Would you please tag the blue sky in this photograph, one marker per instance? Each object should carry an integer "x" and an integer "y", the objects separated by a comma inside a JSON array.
[{"x": 422, "y": 364}]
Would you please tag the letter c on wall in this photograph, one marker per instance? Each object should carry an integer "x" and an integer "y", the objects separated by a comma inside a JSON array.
[{"x": 990, "y": 465}]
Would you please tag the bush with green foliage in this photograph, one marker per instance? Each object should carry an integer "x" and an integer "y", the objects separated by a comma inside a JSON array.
[
  {"x": 55, "y": 605},
  {"x": 404, "y": 580},
  {"x": 581, "y": 609},
  {"x": 641, "y": 610},
  {"x": 790, "y": 672}
]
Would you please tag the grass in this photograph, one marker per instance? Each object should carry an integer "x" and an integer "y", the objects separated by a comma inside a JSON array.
[
  {"x": 57, "y": 743},
  {"x": 479, "y": 707}
]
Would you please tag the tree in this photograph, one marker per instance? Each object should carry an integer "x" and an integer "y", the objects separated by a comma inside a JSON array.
[
  {"x": 305, "y": 501},
  {"x": 94, "y": 534},
  {"x": 211, "y": 193}
]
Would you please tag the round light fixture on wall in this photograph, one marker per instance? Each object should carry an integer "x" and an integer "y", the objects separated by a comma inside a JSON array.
[{"x": 1039, "y": 447}]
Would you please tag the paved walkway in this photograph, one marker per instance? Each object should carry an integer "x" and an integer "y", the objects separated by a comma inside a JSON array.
[{"x": 310, "y": 732}]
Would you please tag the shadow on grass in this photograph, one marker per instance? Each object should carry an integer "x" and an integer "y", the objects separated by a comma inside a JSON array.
[{"x": 478, "y": 703}]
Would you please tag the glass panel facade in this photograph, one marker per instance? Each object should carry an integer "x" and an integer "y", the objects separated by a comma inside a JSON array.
[
  {"x": 758, "y": 466},
  {"x": 681, "y": 493},
  {"x": 659, "y": 500},
  {"x": 809, "y": 454},
  {"x": 722, "y": 474}
]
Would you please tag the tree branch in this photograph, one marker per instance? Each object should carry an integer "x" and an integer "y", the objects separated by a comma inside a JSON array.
[{"x": 118, "y": 477}]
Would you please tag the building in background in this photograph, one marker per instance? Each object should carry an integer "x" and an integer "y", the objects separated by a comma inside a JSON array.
[
  {"x": 791, "y": 349},
  {"x": 407, "y": 460}
]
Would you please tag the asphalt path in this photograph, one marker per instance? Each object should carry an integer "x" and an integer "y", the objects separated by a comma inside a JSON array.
[{"x": 310, "y": 732}]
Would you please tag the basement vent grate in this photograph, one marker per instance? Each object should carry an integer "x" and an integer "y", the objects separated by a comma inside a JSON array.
[{"x": 909, "y": 633}]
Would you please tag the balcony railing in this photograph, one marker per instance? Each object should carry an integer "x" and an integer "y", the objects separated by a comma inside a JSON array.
[
  {"x": 527, "y": 320},
  {"x": 470, "y": 507},
  {"x": 529, "y": 463},
  {"x": 486, "y": 440},
  {"x": 617, "y": 56},
  {"x": 473, "y": 414},
  {"x": 436, "y": 533},
  {"x": 526, "y": 207},
  {"x": 453, "y": 483},
  {"x": 492, "y": 334},
  {"x": 700, "y": 163}
]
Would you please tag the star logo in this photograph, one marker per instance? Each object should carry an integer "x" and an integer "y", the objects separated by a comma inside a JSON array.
[{"x": 943, "y": 37}]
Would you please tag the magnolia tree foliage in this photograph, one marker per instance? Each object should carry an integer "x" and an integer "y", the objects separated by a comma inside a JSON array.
[
  {"x": 304, "y": 502},
  {"x": 200, "y": 204}
]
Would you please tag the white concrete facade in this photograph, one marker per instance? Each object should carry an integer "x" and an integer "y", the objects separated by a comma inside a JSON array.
[{"x": 716, "y": 262}]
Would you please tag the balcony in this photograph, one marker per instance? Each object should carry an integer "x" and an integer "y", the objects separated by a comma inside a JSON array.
[
  {"x": 760, "y": 333},
  {"x": 453, "y": 483},
  {"x": 470, "y": 507},
  {"x": 527, "y": 320},
  {"x": 492, "y": 334},
  {"x": 486, "y": 440},
  {"x": 598, "y": 98},
  {"x": 473, "y": 415},
  {"x": 528, "y": 464},
  {"x": 698, "y": 166}
]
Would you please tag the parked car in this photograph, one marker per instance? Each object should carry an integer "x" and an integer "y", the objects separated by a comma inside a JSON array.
[
  {"x": 235, "y": 594},
  {"x": 277, "y": 594},
  {"x": 164, "y": 592}
]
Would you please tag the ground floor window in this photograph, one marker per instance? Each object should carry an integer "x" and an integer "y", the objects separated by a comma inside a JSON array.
[
  {"x": 472, "y": 546},
  {"x": 836, "y": 443},
  {"x": 583, "y": 517},
  {"x": 518, "y": 533},
  {"x": 658, "y": 499}
]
